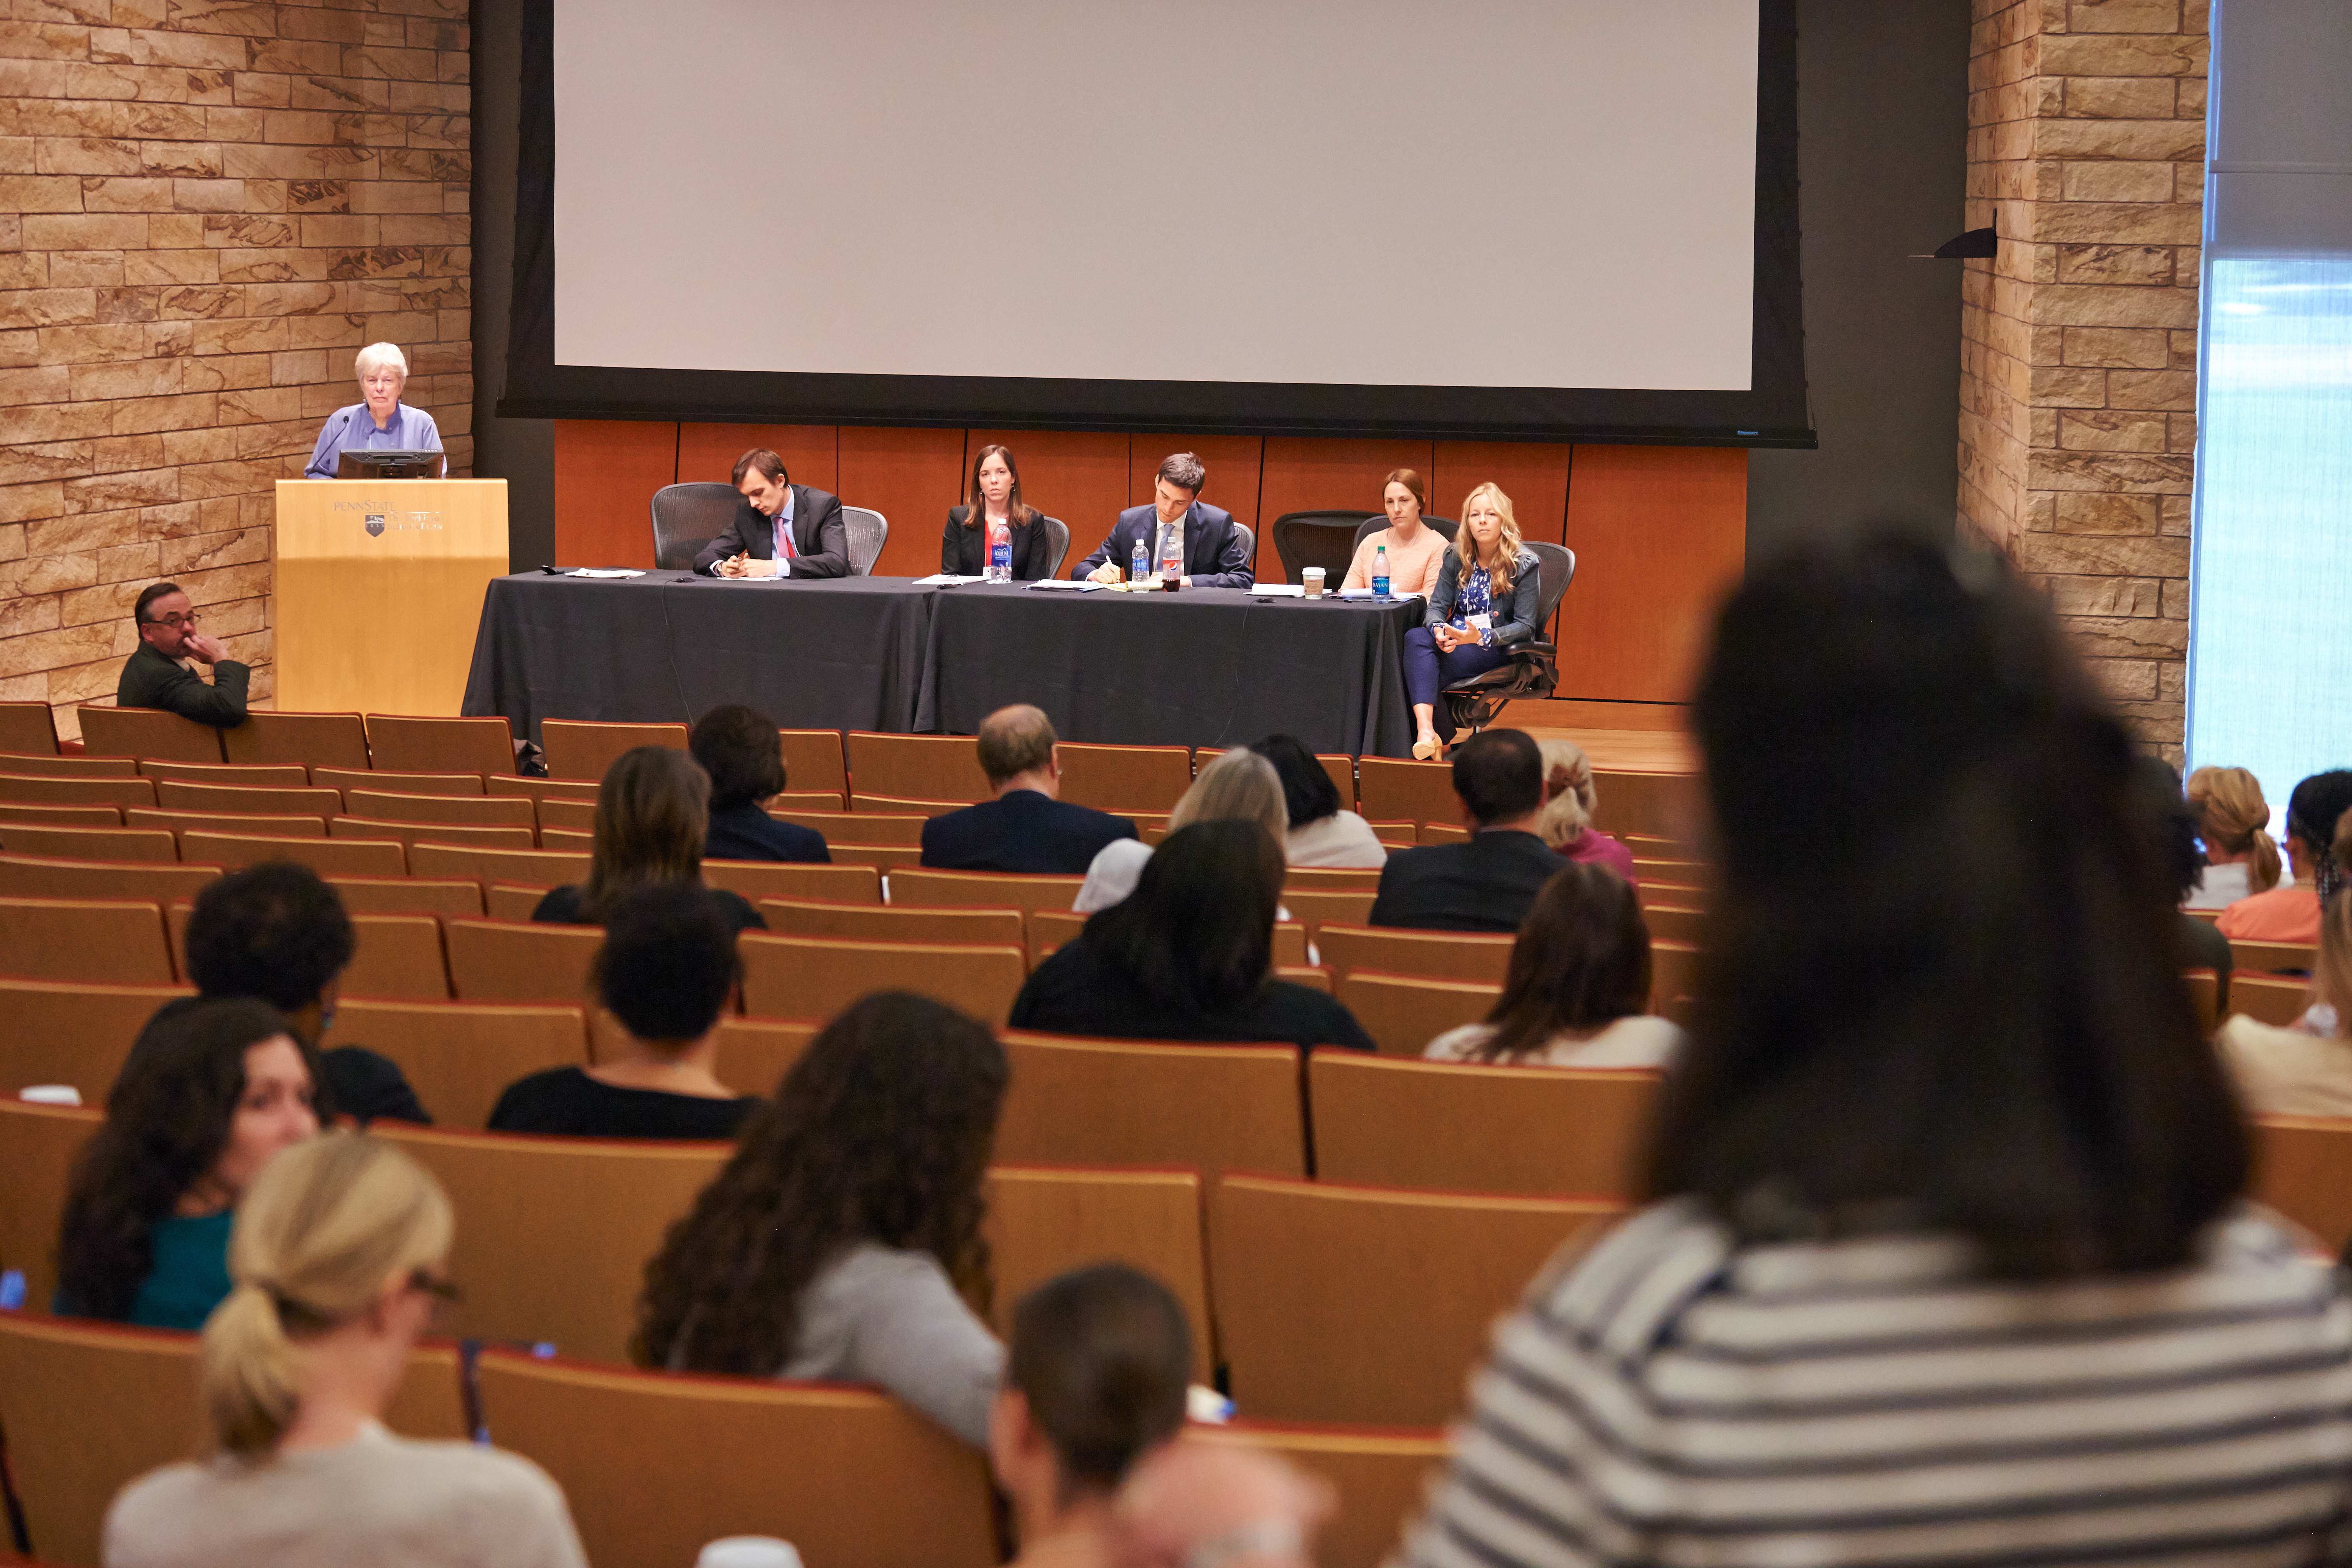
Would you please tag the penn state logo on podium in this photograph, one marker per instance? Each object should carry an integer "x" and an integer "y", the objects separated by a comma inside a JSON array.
[{"x": 375, "y": 524}]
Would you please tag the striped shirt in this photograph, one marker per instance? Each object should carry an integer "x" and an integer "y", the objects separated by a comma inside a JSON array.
[{"x": 1668, "y": 1398}]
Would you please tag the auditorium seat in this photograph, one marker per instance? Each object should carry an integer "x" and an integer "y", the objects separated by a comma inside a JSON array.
[
  {"x": 2274, "y": 957},
  {"x": 1403, "y": 1012},
  {"x": 1481, "y": 1129},
  {"x": 519, "y": 961},
  {"x": 580, "y": 815},
  {"x": 754, "y": 1054},
  {"x": 1043, "y": 1221},
  {"x": 655, "y": 1464},
  {"x": 315, "y": 739},
  {"x": 111, "y": 1403},
  {"x": 178, "y": 795},
  {"x": 1669, "y": 923},
  {"x": 868, "y": 922},
  {"x": 813, "y": 762},
  {"x": 1314, "y": 977},
  {"x": 119, "y": 940},
  {"x": 1123, "y": 778},
  {"x": 341, "y": 779},
  {"x": 1680, "y": 873},
  {"x": 246, "y": 824},
  {"x": 2275, "y": 999},
  {"x": 860, "y": 827},
  {"x": 1441, "y": 832},
  {"x": 108, "y": 731},
  {"x": 153, "y": 845},
  {"x": 757, "y": 879},
  {"x": 883, "y": 858},
  {"x": 1435, "y": 955},
  {"x": 1395, "y": 790},
  {"x": 282, "y": 775},
  {"x": 398, "y": 956},
  {"x": 27, "y": 728},
  {"x": 44, "y": 789},
  {"x": 583, "y": 749},
  {"x": 414, "y": 833},
  {"x": 507, "y": 901},
  {"x": 916, "y": 767},
  {"x": 1395, "y": 835},
  {"x": 1338, "y": 764},
  {"x": 479, "y": 811},
  {"x": 1211, "y": 1109},
  {"x": 1651, "y": 894},
  {"x": 76, "y": 766},
  {"x": 1049, "y": 928},
  {"x": 804, "y": 977},
  {"x": 26, "y": 876},
  {"x": 72, "y": 1032},
  {"x": 1650, "y": 847},
  {"x": 403, "y": 743},
  {"x": 807, "y": 800},
  {"x": 1315, "y": 910},
  {"x": 903, "y": 805},
  {"x": 65, "y": 816},
  {"x": 1655, "y": 806},
  {"x": 1673, "y": 975},
  {"x": 1331, "y": 879},
  {"x": 408, "y": 896},
  {"x": 554, "y": 1233},
  {"x": 545, "y": 867},
  {"x": 1380, "y": 1477},
  {"x": 39, "y": 1145},
  {"x": 2205, "y": 995},
  {"x": 2303, "y": 1168},
  {"x": 1338, "y": 1302},
  {"x": 460, "y": 1056},
  {"x": 326, "y": 857},
  {"x": 537, "y": 789},
  {"x": 987, "y": 890},
  {"x": 579, "y": 838}
]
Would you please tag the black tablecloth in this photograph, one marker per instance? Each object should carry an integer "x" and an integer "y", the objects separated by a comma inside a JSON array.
[
  {"x": 1209, "y": 667},
  {"x": 843, "y": 653}
]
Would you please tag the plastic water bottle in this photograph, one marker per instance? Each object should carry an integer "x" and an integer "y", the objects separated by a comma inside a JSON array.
[
  {"x": 1000, "y": 551},
  {"x": 1139, "y": 566},
  {"x": 1380, "y": 572},
  {"x": 1171, "y": 558}
]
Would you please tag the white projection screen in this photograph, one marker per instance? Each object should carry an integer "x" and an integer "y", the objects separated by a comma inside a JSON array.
[{"x": 1492, "y": 216}]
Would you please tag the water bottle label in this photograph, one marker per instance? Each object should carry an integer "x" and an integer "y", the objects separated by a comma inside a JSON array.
[
  {"x": 1000, "y": 559},
  {"x": 1379, "y": 587}
]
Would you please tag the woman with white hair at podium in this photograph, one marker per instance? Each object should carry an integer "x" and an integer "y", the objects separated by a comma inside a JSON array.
[{"x": 379, "y": 422}]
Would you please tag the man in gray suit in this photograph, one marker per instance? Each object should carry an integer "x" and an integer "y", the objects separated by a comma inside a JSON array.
[
  {"x": 154, "y": 677},
  {"x": 1215, "y": 552}
]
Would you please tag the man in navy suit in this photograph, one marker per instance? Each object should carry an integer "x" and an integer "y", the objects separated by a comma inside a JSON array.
[
  {"x": 782, "y": 530},
  {"x": 1024, "y": 829},
  {"x": 1216, "y": 554}
]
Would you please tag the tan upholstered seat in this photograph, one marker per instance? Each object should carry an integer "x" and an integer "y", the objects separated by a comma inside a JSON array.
[
  {"x": 1381, "y": 1474},
  {"x": 72, "y": 1032},
  {"x": 1134, "y": 1102},
  {"x": 39, "y": 1145},
  {"x": 109, "y": 731},
  {"x": 119, "y": 942},
  {"x": 401, "y": 744},
  {"x": 757, "y": 879},
  {"x": 896, "y": 922},
  {"x": 314, "y": 740},
  {"x": 807, "y": 977},
  {"x": 1435, "y": 955},
  {"x": 916, "y": 767},
  {"x": 519, "y": 961},
  {"x": 583, "y": 749},
  {"x": 1124, "y": 778},
  {"x": 459, "y": 1056}
]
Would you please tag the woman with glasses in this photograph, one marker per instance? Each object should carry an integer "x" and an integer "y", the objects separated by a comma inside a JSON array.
[
  {"x": 338, "y": 1259},
  {"x": 380, "y": 420}
]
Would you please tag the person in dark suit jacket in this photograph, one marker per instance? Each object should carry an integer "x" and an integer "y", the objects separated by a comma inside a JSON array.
[
  {"x": 1491, "y": 882},
  {"x": 997, "y": 490},
  {"x": 1024, "y": 829},
  {"x": 1215, "y": 553},
  {"x": 738, "y": 747},
  {"x": 817, "y": 540},
  {"x": 154, "y": 677}
]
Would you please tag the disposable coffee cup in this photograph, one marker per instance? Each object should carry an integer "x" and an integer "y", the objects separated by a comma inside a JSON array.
[
  {"x": 749, "y": 1551},
  {"x": 1312, "y": 577}
]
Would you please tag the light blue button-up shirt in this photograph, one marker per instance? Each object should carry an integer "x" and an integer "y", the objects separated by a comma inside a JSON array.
[
  {"x": 776, "y": 546},
  {"x": 354, "y": 429}
]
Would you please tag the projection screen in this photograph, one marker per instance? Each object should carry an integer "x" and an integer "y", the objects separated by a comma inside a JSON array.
[{"x": 1545, "y": 217}]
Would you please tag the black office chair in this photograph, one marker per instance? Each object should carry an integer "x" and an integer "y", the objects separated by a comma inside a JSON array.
[
  {"x": 1057, "y": 538},
  {"x": 1325, "y": 539},
  {"x": 1534, "y": 668},
  {"x": 687, "y": 517},
  {"x": 1373, "y": 524}
]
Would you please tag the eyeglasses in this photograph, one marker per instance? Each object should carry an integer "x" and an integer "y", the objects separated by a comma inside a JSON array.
[{"x": 175, "y": 621}]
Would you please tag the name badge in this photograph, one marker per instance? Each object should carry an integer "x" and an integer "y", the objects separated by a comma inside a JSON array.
[{"x": 1483, "y": 622}]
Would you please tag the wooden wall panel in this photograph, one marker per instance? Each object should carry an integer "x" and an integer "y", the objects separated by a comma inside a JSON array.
[
  {"x": 1312, "y": 474},
  {"x": 1234, "y": 463},
  {"x": 810, "y": 455},
  {"x": 1078, "y": 476},
  {"x": 1533, "y": 474},
  {"x": 911, "y": 477},
  {"x": 1659, "y": 533},
  {"x": 606, "y": 471}
]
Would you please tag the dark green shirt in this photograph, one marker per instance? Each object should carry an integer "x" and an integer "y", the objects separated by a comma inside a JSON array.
[
  {"x": 151, "y": 681},
  {"x": 190, "y": 1274}
]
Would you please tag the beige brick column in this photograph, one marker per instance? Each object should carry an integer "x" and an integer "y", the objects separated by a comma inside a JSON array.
[
  {"x": 206, "y": 206},
  {"x": 2078, "y": 378}
]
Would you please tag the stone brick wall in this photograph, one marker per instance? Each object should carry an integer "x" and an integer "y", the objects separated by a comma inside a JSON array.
[
  {"x": 2078, "y": 382},
  {"x": 206, "y": 207}
]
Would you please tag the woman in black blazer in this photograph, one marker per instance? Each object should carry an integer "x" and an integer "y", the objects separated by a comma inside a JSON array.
[
  {"x": 995, "y": 491},
  {"x": 1489, "y": 591}
]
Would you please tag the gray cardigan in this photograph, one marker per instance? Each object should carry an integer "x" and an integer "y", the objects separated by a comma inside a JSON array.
[{"x": 1514, "y": 620}]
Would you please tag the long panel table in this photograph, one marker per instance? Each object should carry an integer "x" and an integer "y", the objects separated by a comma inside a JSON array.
[{"x": 1208, "y": 667}]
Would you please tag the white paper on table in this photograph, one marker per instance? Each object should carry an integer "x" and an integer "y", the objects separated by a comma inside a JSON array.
[
  {"x": 603, "y": 571},
  {"x": 1368, "y": 593},
  {"x": 1064, "y": 585},
  {"x": 945, "y": 580},
  {"x": 1280, "y": 590}
]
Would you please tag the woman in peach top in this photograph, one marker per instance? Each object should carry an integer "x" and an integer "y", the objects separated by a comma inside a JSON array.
[
  {"x": 1414, "y": 548},
  {"x": 2318, "y": 843}
]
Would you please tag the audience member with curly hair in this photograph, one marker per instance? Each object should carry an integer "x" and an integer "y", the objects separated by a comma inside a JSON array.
[
  {"x": 212, "y": 1091},
  {"x": 843, "y": 1239}
]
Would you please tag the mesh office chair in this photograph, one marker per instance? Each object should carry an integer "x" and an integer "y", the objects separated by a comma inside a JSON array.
[
  {"x": 687, "y": 517},
  {"x": 1058, "y": 538},
  {"x": 868, "y": 531},
  {"x": 1445, "y": 526},
  {"x": 1534, "y": 668},
  {"x": 1305, "y": 539},
  {"x": 1249, "y": 546}
]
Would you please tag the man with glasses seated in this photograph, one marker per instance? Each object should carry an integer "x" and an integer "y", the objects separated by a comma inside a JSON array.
[{"x": 155, "y": 676}]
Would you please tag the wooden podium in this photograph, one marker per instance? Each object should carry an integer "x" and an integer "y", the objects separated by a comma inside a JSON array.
[{"x": 378, "y": 591}]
